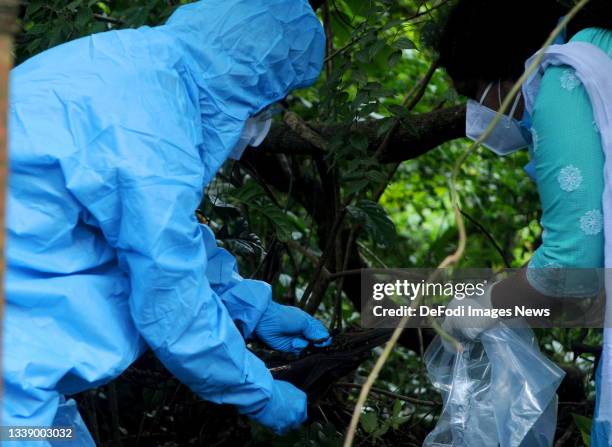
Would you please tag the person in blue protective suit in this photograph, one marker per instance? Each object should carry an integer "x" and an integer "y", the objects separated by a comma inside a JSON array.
[
  {"x": 563, "y": 117},
  {"x": 112, "y": 139}
]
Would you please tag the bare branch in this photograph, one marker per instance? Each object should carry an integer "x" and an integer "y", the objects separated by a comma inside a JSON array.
[{"x": 107, "y": 19}]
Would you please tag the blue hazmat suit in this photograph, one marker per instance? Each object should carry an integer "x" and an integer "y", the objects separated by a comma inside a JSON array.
[{"x": 112, "y": 139}]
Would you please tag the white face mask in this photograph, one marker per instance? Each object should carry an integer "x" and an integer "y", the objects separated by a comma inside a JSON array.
[
  {"x": 506, "y": 137},
  {"x": 255, "y": 131}
]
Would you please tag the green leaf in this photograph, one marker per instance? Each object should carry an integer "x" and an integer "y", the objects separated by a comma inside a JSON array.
[
  {"x": 33, "y": 46},
  {"x": 374, "y": 49},
  {"x": 278, "y": 218},
  {"x": 83, "y": 17},
  {"x": 57, "y": 35},
  {"x": 248, "y": 193},
  {"x": 584, "y": 424},
  {"x": 363, "y": 55},
  {"x": 103, "y": 7},
  {"x": 33, "y": 7},
  {"x": 360, "y": 77},
  {"x": 397, "y": 407},
  {"x": 392, "y": 24},
  {"x": 397, "y": 421},
  {"x": 38, "y": 28},
  {"x": 375, "y": 220},
  {"x": 74, "y": 5},
  {"x": 359, "y": 141},
  {"x": 136, "y": 16},
  {"x": 394, "y": 58},
  {"x": 369, "y": 422},
  {"x": 382, "y": 430},
  {"x": 98, "y": 27},
  {"x": 356, "y": 186},
  {"x": 376, "y": 176},
  {"x": 403, "y": 43}
]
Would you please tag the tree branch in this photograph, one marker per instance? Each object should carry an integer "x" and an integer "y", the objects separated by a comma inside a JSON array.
[{"x": 415, "y": 136}]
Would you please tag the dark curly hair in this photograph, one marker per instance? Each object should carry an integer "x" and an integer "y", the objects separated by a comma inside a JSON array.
[{"x": 488, "y": 40}]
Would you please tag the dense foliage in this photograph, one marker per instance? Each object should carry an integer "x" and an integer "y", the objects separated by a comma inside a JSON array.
[{"x": 296, "y": 217}]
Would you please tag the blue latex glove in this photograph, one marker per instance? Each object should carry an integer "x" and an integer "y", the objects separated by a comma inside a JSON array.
[
  {"x": 285, "y": 410},
  {"x": 289, "y": 329}
]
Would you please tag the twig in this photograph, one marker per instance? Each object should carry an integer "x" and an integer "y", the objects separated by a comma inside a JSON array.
[
  {"x": 340, "y": 285},
  {"x": 341, "y": 17},
  {"x": 103, "y": 18},
  {"x": 308, "y": 254},
  {"x": 575, "y": 404},
  {"x": 411, "y": 99},
  {"x": 93, "y": 417},
  {"x": 337, "y": 275},
  {"x": 410, "y": 102},
  {"x": 412, "y": 400},
  {"x": 427, "y": 11},
  {"x": 114, "y": 410},
  {"x": 565, "y": 438},
  {"x": 307, "y": 303},
  {"x": 581, "y": 348},
  {"x": 352, "y": 42},
  {"x": 489, "y": 236}
]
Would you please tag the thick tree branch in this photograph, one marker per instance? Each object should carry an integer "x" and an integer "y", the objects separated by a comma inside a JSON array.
[
  {"x": 423, "y": 133},
  {"x": 415, "y": 136}
]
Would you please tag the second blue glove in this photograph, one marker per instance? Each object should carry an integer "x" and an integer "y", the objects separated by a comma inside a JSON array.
[{"x": 289, "y": 329}]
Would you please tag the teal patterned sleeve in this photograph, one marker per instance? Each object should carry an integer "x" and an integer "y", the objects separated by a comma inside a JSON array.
[{"x": 569, "y": 161}]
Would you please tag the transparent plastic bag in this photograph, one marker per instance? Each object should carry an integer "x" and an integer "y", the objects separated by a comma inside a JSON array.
[{"x": 501, "y": 390}]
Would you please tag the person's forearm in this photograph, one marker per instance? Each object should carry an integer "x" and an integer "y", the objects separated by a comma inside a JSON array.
[
  {"x": 246, "y": 300},
  {"x": 516, "y": 291}
]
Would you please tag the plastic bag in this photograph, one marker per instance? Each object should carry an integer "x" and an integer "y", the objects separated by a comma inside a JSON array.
[{"x": 501, "y": 390}]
